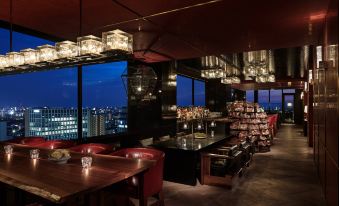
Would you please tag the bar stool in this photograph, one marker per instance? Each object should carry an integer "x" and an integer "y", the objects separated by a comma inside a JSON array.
[{"x": 153, "y": 178}]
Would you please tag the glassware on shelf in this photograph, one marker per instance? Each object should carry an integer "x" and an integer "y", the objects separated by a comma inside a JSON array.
[
  {"x": 46, "y": 53},
  {"x": 30, "y": 56},
  {"x": 34, "y": 153},
  {"x": 86, "y": 162},
  {"x": 117, "y": 40},
  {"x": 3, "y": 61},
  {"x": 89, "y": 45},
  {"x": 66, "y": 49},
  {"x": 15, "y": 59},
  {"x": 8, "y": 149}
]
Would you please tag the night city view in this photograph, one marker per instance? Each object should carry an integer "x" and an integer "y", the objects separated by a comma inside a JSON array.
[{"x": 47, "y": 104}]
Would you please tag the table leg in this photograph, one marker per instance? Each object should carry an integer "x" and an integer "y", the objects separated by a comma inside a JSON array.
[{"x": 142, "y": 199}]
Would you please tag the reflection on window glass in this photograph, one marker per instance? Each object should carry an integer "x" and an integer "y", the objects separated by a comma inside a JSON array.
[
  {"x": 199, "y": 93},
  {"x": 292, "y": 91},
  {"x": 24, "y": 41},
  {"x": 263, "y": 99},
  {"x": 275, "y": 100},
  {"x": 184, "y": 91},
  {"x": 104, "y": 99},
  {"x": 250, "y": 95}
]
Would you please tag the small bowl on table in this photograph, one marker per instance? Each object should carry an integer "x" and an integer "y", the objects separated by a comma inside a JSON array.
[{"x": 59, "y": 156}]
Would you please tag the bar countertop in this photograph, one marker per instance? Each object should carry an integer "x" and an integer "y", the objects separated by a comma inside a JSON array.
[{"x": 188, "y": 143}]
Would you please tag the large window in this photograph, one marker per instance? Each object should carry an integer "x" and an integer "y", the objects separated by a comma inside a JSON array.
[
  {"x": 185, "y": 96},
  {"x": 45, "y": 103},
  {"x": 250, "y": 95},
  {"x": 184, "y": 91},
  {"x": 199, "y": 93},
  {"x": 275, "y": 100},
  {"x": 104, "y": 99},
  {"x": 263, "y": 99}
]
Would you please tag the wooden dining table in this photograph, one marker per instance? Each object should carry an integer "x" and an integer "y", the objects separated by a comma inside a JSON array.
[{"x": 63, "y": 183}]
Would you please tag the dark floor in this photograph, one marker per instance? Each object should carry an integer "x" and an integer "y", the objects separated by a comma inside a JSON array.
[{"x": 285, "y": 176}]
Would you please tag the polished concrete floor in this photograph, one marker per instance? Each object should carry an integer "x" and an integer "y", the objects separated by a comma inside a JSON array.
[{"x": 285, "y": 176}]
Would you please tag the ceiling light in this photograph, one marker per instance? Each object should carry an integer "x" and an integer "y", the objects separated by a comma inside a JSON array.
[
  {"x": 46, "y": 53},
  {"x": 66, "y": 49},
  {"x": 118, "y": 40},
  {"x": 3, "y": 62},
  {"x": 15, "y": 59},
  {"x": 30, "y": 56},
  {"x": 89, "y": 45}
]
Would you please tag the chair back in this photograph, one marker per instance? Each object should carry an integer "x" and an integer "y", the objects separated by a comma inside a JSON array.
[
  {"x": 29, "y": 141},
  {"x": 57, "y": 144},
  {"x": 153, "y": 178},
  {"x": 146, "y": 142},
  {"x": 93, "y": 148}
]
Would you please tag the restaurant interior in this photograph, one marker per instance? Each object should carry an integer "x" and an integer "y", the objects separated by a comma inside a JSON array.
[{"x": 197, "y": 102}]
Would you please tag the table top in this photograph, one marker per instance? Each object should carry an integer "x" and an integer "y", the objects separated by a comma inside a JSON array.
[
  {"x": 59, "y": 182},
  {"x": 188, "y": 143}
]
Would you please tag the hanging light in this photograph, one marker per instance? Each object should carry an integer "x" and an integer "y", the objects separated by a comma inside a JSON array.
[
  {"x": 117, "y": 40},
  {"x": 85, "y": 46},
  {"x": 15, "y": 59},
  {"x": 212, "y": 67},
  {"x": 30, "y": 56},
  {"x": 66, "y": 49},
  {"x": 3, "y": 62},
  {"x": 261, "y": 79},
  {"x": 89, "y": 45},
  {"x": 47, "y": 53},
  {"x": 271, "y": 78}
]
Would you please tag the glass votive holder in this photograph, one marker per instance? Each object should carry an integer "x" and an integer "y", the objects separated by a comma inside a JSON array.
[
  {"x": 34, "y": 153},
  {"x": 117, "y": 40},
  {"x": 86, "y": 162},
  {"x": 15, "y": 59},
  {"x": 89, "y": 45},
  {"x": 3, "y": 61},
  {"x": 30, "y": 56},
  {"x": 66, "y": 49},
  {"x": 46, "y": 53},
  {"x": 8, "y": 149}
]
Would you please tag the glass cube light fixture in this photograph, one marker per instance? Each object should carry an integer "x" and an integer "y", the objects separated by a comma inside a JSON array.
[
  {"x": 15, "y": 59},
  {"x": 261, "y": 79},
  {"x": 3, "y": 61},
  {"x": 46, "y": 53},
  {"x": 66, "y": 49},
  {"x": 89, "y": 45},
  {"x": 212, "y": 73},
  {"x": 30, "y": 56},
  {"x": 227, "y": 80},
  {"x": 271, "y": 78},
  {"x": 117, "y": 40}
]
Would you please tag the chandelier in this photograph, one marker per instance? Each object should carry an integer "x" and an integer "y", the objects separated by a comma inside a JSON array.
[
  {"x": 259, "y": 65},
  {"x": 212, "y": 67},
  {"x": 66, "y": 53},
  {"x": 231, "y": 75}
]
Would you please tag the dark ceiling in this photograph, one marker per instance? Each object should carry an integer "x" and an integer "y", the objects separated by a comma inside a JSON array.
[{"x": 177, "y": 29}]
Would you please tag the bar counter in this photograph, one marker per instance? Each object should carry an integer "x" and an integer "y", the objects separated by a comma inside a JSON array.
[{"x": 182, "y": 159}]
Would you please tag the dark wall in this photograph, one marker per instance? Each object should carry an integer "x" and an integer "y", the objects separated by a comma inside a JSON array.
[{"x": 326, "y": 111}]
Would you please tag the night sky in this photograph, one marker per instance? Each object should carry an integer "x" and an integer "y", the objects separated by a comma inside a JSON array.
[{"x": 102, "y": 84}]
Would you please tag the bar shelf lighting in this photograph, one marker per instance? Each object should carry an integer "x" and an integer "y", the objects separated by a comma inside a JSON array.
[{"x": 89, "y": 49}]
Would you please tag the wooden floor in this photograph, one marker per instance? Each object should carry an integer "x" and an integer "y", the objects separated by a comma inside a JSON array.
[{"x": 285, "y": 176}]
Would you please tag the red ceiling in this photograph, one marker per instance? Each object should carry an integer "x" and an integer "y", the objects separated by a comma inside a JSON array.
[{"x": 196, "y": 28}]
